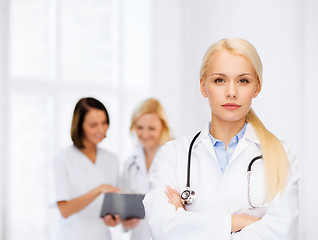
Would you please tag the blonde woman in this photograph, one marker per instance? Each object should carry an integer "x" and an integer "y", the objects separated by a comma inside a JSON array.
[
  {"x": 150, "y": 125},
  {"x": 241, "y": 182}
]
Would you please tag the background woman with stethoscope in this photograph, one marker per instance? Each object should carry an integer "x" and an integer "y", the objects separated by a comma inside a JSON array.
[
  {"x": 150, "y": 125},
  {"x": 234, "y": 179}
]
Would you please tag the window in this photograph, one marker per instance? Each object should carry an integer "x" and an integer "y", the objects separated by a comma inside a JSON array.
[{"x": 58, "y": 52}]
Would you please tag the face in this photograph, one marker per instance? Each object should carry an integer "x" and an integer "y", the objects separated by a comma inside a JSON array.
[
  {"x": 230, "y": 85},
  {"x": 94, "y": 126},
  {"x": 148, "y": 129}
]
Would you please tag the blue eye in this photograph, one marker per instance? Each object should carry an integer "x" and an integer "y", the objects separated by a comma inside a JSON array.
[
  {"x": 219, "y": 80},
  {"x": 243, "y": 81}
]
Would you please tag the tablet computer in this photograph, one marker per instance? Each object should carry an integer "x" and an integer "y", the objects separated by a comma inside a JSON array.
[{"x": 127, "y": 205}]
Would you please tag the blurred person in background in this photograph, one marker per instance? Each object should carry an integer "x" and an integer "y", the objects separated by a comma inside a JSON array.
[
  {"x": 80, "y": 174},
  {"x": 149, "y": 123}
]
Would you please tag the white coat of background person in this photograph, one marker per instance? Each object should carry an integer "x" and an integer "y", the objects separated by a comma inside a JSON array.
[
  {"x": 80, "y": 174},
  {"x": 149, "y": 123},
  {"x": 230, "y": 77}
]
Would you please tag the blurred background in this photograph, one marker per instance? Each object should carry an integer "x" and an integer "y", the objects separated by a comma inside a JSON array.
[{"x": 53, "y": 52}]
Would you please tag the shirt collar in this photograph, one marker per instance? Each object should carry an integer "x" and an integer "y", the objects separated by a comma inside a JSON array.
[
  {"x": 248, "y": 133},
  {"x": 237, "y": 137}
]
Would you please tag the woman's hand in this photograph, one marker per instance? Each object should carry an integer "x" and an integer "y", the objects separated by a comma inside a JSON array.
[
  {"x": 173, "y": 197},
  {"x": 110, "y": 221},
  {"x": 240, "y": 221},
  {"x": 67, "y": 208},
  {"x": 131, "y": 223},
  {"x": 105, "y": 188}
]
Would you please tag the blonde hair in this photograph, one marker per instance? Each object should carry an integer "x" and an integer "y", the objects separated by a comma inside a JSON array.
[
  {"x": 149, "y": 106},
  {"x": 274, "y": 155}
]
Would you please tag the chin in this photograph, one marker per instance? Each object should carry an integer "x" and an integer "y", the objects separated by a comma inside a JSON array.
[
  {"x": 98, "y": 141},
  {"x": 148, "y": 145},
  {"x": 233, "y": 117}
]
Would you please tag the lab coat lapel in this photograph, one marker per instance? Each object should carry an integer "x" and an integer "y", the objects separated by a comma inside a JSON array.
[
  {"x": 141, "y": 159},
  {"x": 208, "y": 144},
  {"x": 205, "y": 139},
  {"x": 249, "y": 136}
]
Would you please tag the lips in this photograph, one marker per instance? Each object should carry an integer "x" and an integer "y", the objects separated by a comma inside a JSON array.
[
  {"x": 231, "y": 106},
  {"x": 100, "y": 137}
]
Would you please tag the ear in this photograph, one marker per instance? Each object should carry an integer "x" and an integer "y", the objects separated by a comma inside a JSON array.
[
  {"x": 202, "y": 88},
  {"x": 258, "y": 89}
]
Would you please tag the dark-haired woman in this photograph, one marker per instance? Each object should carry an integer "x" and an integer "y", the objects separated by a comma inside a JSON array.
[{"x": 81, "y": 173}]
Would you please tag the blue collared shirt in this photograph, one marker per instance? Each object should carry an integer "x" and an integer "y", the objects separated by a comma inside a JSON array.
[{"x": 223, "y": 155}]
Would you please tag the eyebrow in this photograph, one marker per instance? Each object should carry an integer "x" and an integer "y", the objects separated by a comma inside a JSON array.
[{"x": 241, "y": 75}]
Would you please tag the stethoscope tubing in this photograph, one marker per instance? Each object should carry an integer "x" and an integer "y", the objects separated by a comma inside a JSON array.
[
  {"x": 249, "y": 169},
  {"x": 132, "y": 164},
  {"x": 189, "y": 158}
]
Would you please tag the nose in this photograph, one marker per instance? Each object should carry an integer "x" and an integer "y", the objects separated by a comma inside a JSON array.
[
  {"x": 144, "y": 133},
  {"x": 102, "y": 129},
  {"x": 231, "y": 91}
]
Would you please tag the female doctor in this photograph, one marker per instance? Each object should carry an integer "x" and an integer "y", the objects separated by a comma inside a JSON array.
[
  {"x": 219, "y": 198},
  {"x": 80, "y": 174},
  {"x": 150, "y": 125}
]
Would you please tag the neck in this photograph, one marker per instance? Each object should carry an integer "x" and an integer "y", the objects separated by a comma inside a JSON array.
[
  {"x": 225, "y": 131},
  {"x": 89, "y": 150}
]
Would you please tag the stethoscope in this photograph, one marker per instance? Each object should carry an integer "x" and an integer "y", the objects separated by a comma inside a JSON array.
[
  {"x": 188, "y": 196},
  {"x": 134, "y": 163}
]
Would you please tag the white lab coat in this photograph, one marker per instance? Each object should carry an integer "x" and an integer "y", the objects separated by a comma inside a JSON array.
[
  {"x": 218, "y": 195},
  {"x": 72, "y": 174},
  {"x": 135, "y": 179}
]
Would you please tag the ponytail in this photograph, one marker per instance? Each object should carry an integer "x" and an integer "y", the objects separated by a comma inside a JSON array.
[{"x": 274, "y": 155}]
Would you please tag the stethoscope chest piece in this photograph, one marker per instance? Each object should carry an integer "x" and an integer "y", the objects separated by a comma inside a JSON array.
[{"x": 187, "y": 196}]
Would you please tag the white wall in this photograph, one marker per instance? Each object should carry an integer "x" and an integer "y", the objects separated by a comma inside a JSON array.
[
  {"x": 285, "y": 34},
  {"x": 134, "y": 62},
  {"x": 167, "y": 60},
  {"x": 309, "y": 163},
  {"x": 3, "y": 109}
]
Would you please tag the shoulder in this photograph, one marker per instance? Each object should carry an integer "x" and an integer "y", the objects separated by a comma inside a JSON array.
[
  {"x": 175, "y": 148},
  {"x": 250, "y": 135},
  {"x": 176, "y": 144},
  {"x": 66, "y": 153},
  {"x": 63, "y": 158},
  {"x": 290, "y": 153}
]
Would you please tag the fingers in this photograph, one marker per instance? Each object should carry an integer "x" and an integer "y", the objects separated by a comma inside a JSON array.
[
  {"x": 117, "y": 219},
  {"x": 131, "y": 223},
  {"x": 173, "y": 197},
  {"x": 111, "y": 221},
  {"x": 105, "y": 188},
  {"x": 172, "y": 194}
]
